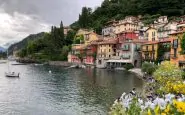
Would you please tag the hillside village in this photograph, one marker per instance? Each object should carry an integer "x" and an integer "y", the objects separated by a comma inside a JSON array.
[{"x": 129, "y": 41}]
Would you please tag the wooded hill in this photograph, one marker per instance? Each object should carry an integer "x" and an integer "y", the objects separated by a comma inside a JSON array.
[{"x": 118, "y": 9}]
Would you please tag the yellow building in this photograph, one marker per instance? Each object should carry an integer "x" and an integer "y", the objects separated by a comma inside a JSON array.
[
  {"x": 150, "y": 50},
  {"x": 106, "y": 49},
  {"x": 177, "y": 56},
  {"x": 86, "y": 36},
  {"x": 151, "y": 34},
  {"x": 125, "y": 26}
]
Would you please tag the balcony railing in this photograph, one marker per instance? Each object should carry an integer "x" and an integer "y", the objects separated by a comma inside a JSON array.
[{"x": 125, "y": 56}]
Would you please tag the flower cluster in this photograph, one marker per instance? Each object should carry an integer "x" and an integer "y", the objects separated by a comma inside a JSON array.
[{"x": 168, "y": 104}]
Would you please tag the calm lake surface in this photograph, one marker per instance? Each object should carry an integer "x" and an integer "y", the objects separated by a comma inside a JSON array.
[{"x": 64, "y": 92}]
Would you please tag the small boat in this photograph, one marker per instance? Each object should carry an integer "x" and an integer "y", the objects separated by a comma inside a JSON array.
[
  {"x": 9, "y": 73},
  {"x": 12, "y": 74}
]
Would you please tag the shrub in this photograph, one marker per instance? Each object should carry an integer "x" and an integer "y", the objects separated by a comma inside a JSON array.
[
  {"x": 128, "y": 66},
  {"x": 149, "y": 68},
  {"x": 183, "y": 75},
  {"x": 167, "y": 69}
]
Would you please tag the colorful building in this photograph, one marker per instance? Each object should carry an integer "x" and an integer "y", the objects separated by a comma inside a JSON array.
[
  {"x": 109, "y": 29},
  {"x": 128, "y": 52},
  {"x": 106, "y": 49},
  {"x": 128, "y": 35},
  {"x": 168, "y": 28},
  {"x": 85, "y": 36},
  {"x": 177, "y": 55},
  {"x": 151, "y": 34},
  {"x": 150, "y": 50},
  {"x": 161, "y": 21}
]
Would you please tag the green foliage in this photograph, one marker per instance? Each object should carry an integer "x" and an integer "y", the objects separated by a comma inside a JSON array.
[
  {"x": 118, "y": 9},
  {"x": 117, "y": 110},
  {"x": 70, "y": 37},
  {"x": 52, "y": 46},
  {"x": 134, "y": 108},
  {"x": 22, "y": 44},
  {"x": 128, "y": 66},
  {"x": 85, "y": 19},
  {"x": 162, "y": 48},
  {"x": 183, "y": 75},
  {"x": 79, "y": 39},
  {"x": 149, "y": 68},
  {"x": 3, "y": 55},
  {"x": 168, "y": 70},
  {"x": 183, "y": 44}
]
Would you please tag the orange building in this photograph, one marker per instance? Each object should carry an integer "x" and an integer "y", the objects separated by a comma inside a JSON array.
[{"x": 177, "y": 56}]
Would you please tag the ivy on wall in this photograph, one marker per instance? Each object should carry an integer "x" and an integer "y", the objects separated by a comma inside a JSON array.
[{"x": 183, "y": 44}]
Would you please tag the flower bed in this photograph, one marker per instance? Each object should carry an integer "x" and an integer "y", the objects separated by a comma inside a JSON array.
[{"x": 165, "y": 95}]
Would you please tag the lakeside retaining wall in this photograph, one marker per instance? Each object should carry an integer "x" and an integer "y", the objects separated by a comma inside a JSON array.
[{"x": 60, "y": 63}]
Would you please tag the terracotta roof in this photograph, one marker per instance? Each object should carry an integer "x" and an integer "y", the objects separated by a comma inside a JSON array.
[
  {"x": 179, "y": 32},
  {"x": 157, "y": 41},
  {"x": 181, "y": 23},
  {"x": 108, "y": 41},
  {"x": 150, "y": 28},
  {"x": 128, "y": 31}
]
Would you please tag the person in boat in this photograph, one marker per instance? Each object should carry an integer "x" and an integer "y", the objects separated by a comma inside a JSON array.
[{"x": 13, "y": 73}]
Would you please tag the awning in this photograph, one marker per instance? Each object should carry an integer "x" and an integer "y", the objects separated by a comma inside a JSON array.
[
  {"x": 181, "y": 62},
  {"x": 119, "y": 61}
]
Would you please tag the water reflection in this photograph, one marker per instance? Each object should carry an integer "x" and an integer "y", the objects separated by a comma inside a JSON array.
[{"x": 68, "y": 92}]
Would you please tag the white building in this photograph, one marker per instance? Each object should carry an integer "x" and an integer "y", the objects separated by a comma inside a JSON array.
[
  {"x": 161, "y": 21},
  {"x": 164, "y": 31}
]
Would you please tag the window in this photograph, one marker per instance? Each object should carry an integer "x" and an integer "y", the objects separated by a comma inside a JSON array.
[
  {"x": 109, "y": 56},
  {"x": 109, "y": 50},
  {"x": 147, "y": 48},
  {"x": 175, "y": 43},
  {"x": 152, "y": 47}
]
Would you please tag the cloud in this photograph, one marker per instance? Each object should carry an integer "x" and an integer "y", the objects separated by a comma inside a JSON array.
[
  {"x": 19, "y": 18},
  {"x": 17, "y": 26}
]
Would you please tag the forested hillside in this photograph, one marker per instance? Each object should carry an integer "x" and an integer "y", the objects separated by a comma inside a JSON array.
[
  {"x": 52, "y": 46},
  {"x": 24, "y": 42},
  {"x": 118, "y": 9}
]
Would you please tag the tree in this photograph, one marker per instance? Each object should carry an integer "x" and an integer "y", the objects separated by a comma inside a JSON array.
[
  {"x": 61, "y": 34},
  {"x": 85, "y": 17},
  {"x": 70, "y": 37}
]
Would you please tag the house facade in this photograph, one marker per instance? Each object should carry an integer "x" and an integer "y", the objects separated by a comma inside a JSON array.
[
  {"x": 169, "y": 28},
  {"x": 109, "y": 29},
  {"x": 150, "y": 50},
  {"x": 128, "y": 52},
  {"x": 106, "y": 50},
  {"x": 161, "y": 21},
  {"x": 177, "y": 54},
  {"x": 128, "y": 35},
  {"x": 151, "y": 34}
]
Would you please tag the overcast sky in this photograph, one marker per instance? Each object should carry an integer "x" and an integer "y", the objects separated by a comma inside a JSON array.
[{"x": 19, "y": 18}]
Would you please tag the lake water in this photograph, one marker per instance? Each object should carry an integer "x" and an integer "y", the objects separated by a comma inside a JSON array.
[{"x": 64, "y": 92}]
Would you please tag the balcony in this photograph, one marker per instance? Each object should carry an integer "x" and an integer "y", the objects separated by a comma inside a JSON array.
[{"x": 125, "y": 56}]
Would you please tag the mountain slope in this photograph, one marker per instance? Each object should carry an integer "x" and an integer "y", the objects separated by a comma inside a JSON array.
[
  {"x": 2, "y": 49},
  {"x": 24, "y": 42}
]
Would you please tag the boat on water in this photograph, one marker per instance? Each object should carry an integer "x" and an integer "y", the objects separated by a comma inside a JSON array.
[
  {"x": 9, "y": 73},
  {"x": 3, "y": 61}
]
